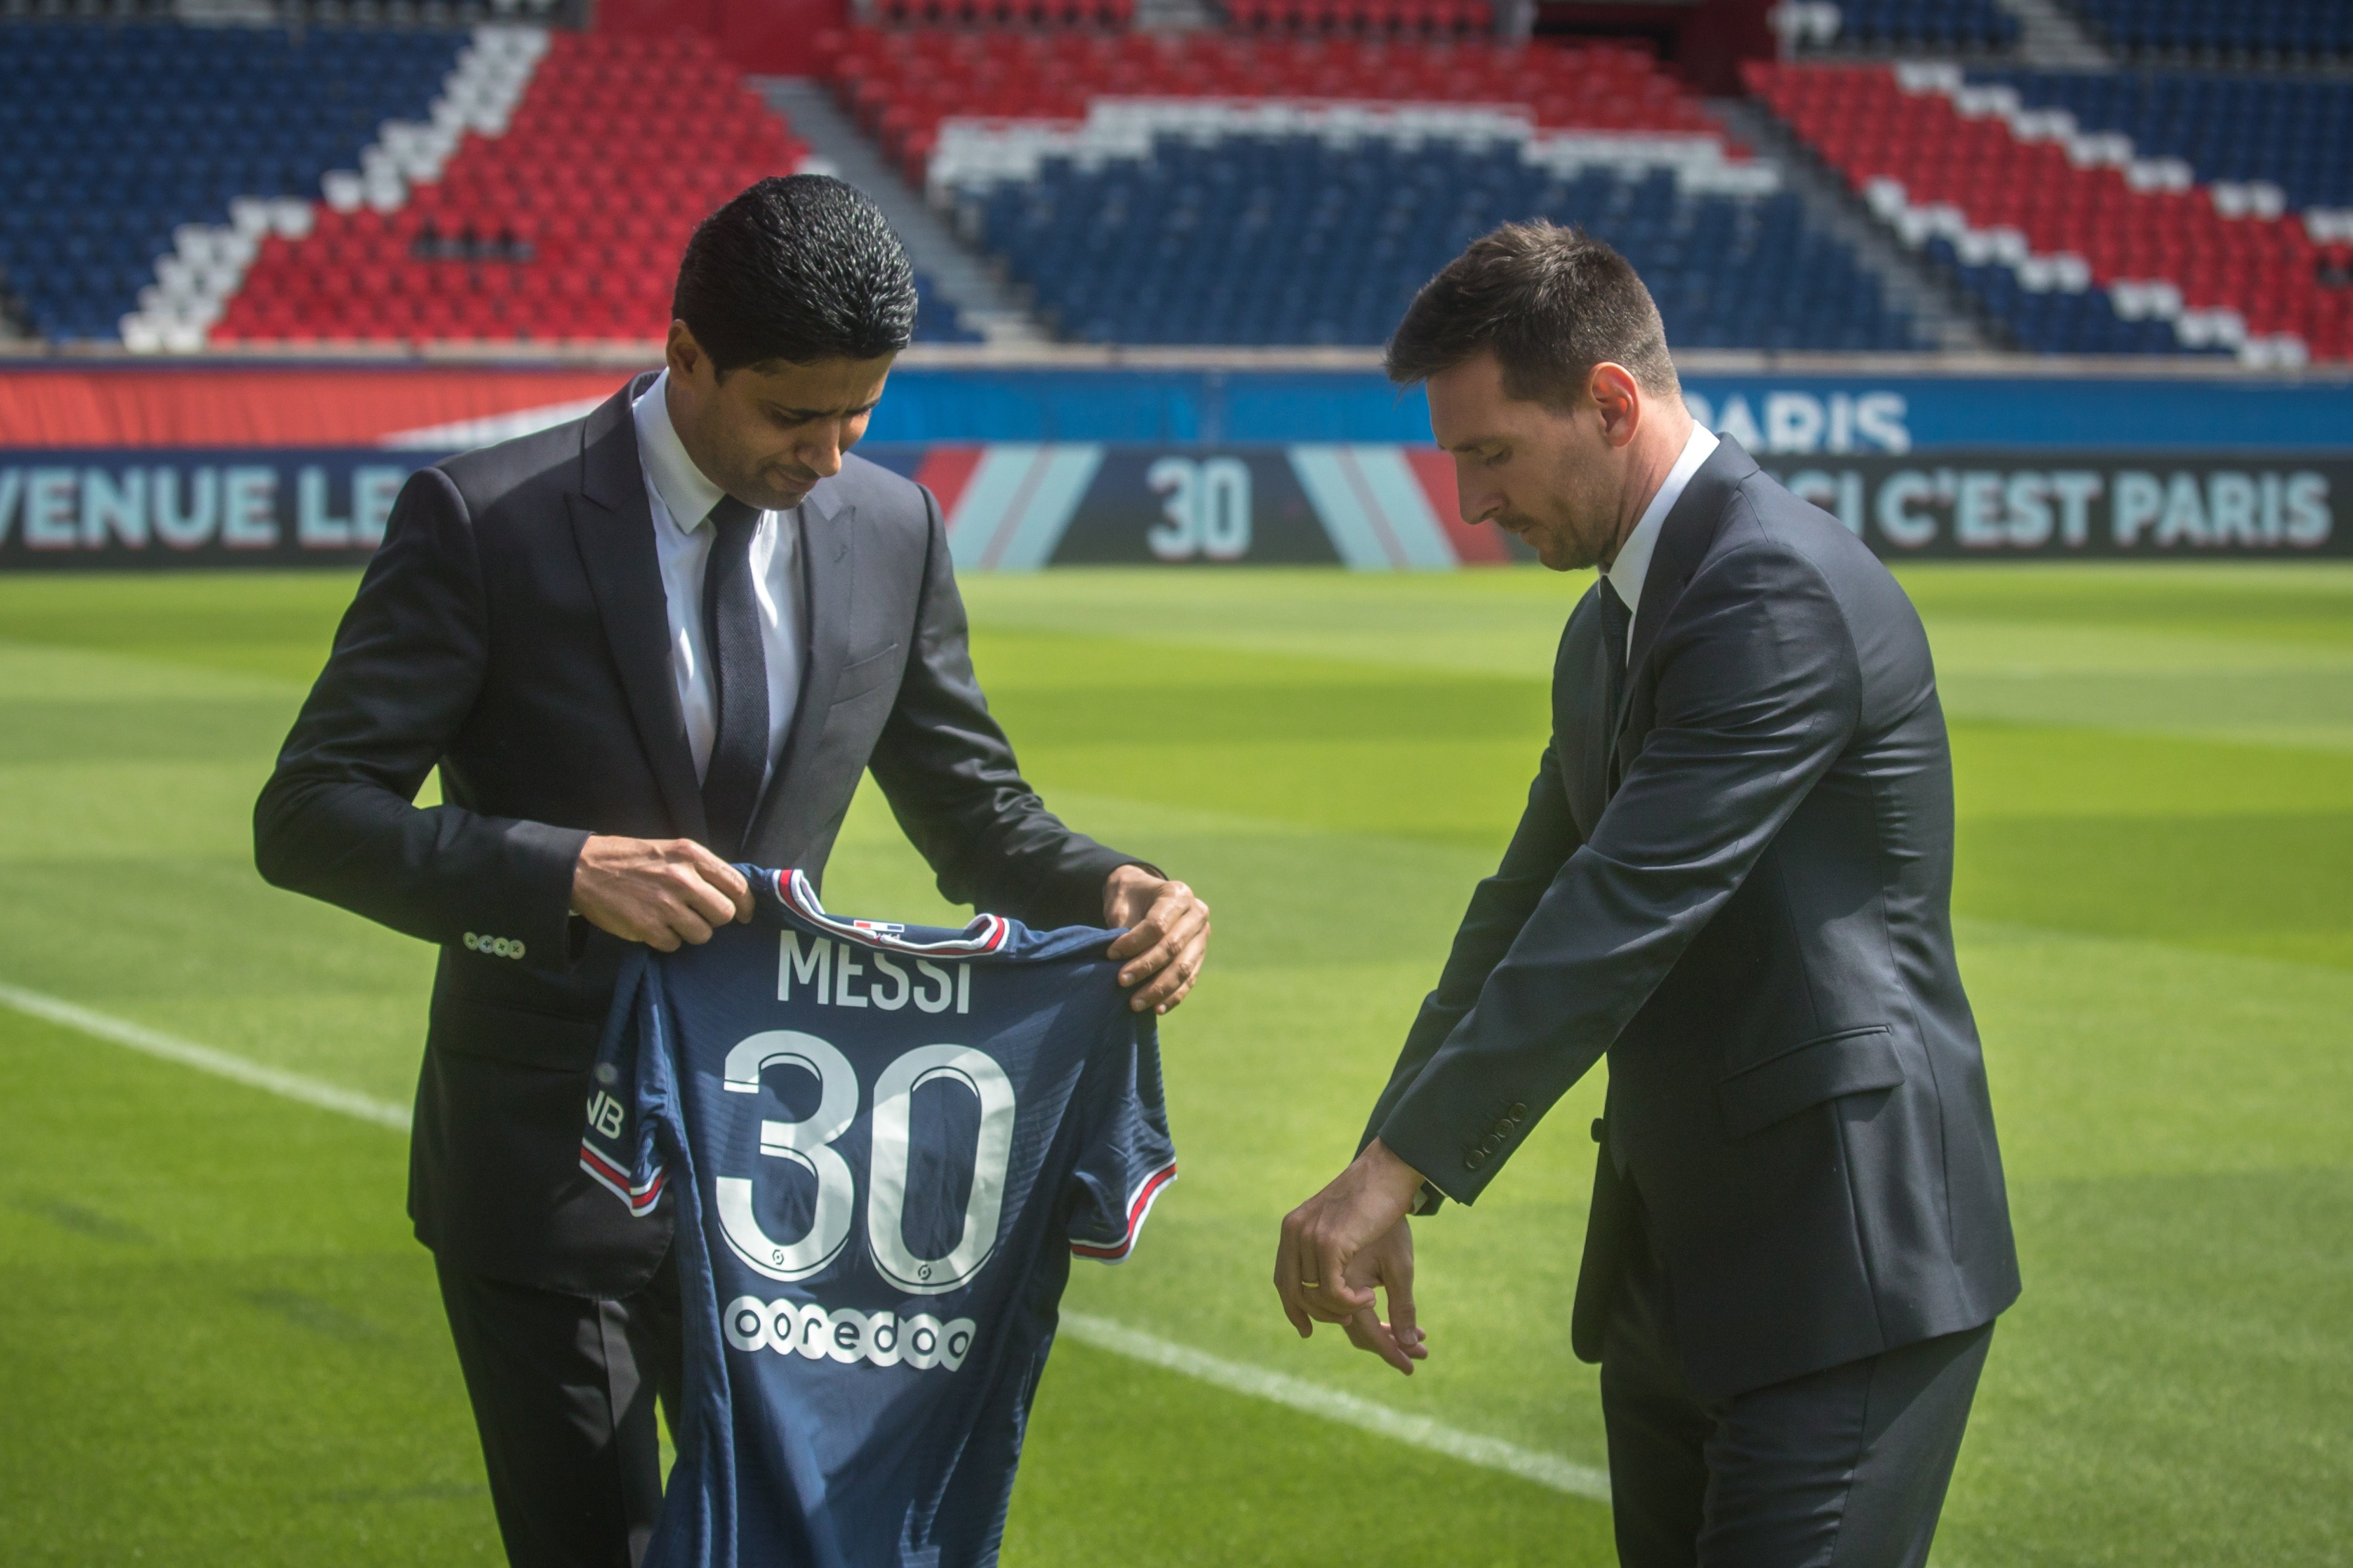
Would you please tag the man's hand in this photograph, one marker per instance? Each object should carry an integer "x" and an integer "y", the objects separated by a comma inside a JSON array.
[
  {"x": 1167, "y": 940},
  {"x": 658, "y": 891},
  {"x": 1341, "y": 1242}
]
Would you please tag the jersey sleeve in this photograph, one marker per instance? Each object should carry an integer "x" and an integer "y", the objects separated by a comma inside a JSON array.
[
  {"x": 619, "y": 1148},
  {"x": 1128, "y": 1157}
]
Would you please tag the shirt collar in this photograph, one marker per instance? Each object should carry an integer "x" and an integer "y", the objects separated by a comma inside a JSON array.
[
  {"x": 685, "y": 494},
  {"x": 1633, "y": 563}
]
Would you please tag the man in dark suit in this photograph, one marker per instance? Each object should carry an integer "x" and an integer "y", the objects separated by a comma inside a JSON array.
[
  {"x": 638, "y": 646},
  {"x": 1733, "y": 878}
]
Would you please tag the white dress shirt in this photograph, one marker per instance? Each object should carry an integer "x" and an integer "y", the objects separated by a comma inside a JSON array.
[
  {"x": 681, "y": 498},
  {"x": 1633, "y": 563}
]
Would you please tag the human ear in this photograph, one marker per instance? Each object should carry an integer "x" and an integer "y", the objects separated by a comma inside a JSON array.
[
  {"x": 682, "y": 352},
  {"x": 1619, "y": 400}
]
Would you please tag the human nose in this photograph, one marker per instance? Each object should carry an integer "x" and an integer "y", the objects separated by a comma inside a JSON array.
[
  {"x": 822, "y": 452},
  {"x": 1478, "y": 502}
]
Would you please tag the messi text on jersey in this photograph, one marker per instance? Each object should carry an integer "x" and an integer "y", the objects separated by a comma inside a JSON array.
[{"x": 844, "y": 974}]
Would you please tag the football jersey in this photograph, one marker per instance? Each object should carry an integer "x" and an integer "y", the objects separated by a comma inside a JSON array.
[{"x": 885, "y": 1143}]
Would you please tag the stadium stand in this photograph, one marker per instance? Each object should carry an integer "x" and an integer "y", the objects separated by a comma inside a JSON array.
[
  {"x": 1149, "y": 190},
  {"x": 1110, "y": 14},
  {"x": 180, "y": 187},
  {"x": 2293, "y": 135},
  {"x": 2075, "y": 238},
  {"x": 560, "y": 217},
  {"x": 1944, "y": 25},
  {"x": 903, "y": 84},
  {"x": 1401, "y": 19},
  {"x": 113, "y": 140},
  {"x": 1188, "y": 243},
  {"x": 2222, "y": 32}
]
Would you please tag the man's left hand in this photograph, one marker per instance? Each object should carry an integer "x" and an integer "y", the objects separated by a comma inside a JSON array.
[
  {"x": 1341, "y": 1242},
  {"x": 1167, "y": 940}
]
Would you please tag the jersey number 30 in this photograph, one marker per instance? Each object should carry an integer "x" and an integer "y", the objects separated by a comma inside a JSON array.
[{"x": 808, "y": 1143}]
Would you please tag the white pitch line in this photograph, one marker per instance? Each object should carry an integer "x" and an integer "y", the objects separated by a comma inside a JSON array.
[
  {"x": 204, "y": 1058},
  {"x": 1313, "y": 1399}
]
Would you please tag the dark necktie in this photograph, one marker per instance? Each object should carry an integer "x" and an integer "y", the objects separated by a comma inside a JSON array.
[
  {"x": 1616, "y": 620},
  {"x": 739, "y": 679}
]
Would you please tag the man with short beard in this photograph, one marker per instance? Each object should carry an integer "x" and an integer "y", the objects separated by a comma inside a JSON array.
[{"x": 1733, "y": 878}]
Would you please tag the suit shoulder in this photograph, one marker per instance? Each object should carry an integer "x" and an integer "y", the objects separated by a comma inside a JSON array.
[
  {"x": 1764, "y": 517},
  {"x": 487, "y": 475},
  {"x": 1776, "y": 536}
]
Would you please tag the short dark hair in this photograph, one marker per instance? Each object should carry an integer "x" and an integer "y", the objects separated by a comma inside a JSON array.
[
  {"x": 799, "y": 270},
  {"x": 1549, "y": 303}
]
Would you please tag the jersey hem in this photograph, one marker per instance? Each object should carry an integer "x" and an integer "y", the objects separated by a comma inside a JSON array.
[
  {"x": 641, "y": 1197},
  {"x": 1139, "y": 1209}
]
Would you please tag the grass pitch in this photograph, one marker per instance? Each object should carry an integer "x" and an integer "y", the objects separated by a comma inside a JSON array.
[{"x": 225, "y": 1348}]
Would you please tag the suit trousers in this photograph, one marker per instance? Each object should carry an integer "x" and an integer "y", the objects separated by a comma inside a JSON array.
[
  {"x": 1841, "y": 1468},
  {"x": 563, "y": 1389}
]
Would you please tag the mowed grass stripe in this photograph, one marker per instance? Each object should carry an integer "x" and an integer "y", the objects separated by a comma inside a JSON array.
[
  {"x": 1418, "y": 1431},
  {"x": 1297, "y": 1393},
  {"x": 204, "y": 1058}
]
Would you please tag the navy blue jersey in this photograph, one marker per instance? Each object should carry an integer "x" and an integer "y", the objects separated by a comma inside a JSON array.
[{"x": 884, "y": 1144}]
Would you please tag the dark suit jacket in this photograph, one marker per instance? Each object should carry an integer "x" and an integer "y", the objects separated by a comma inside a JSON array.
[
  {"x": 1740, "y": 892},
  {"x": 513, "y": 631}
]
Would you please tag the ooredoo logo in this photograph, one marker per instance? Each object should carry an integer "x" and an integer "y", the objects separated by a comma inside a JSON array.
[{"x": 847, "y": 1336}]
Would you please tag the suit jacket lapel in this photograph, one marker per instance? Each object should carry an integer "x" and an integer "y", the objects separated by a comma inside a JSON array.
[
  {"x": 828, "y": 575},
  {"x": 613, "y": 527},
  {"x": 1684, "y": 539}
]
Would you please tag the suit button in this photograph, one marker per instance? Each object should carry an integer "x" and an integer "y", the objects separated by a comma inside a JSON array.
[
  {"x": 1504, "y": 1128},
  {"x": 1599, "y": 1129},
  {"x": 1519, "y": 1110},
  {"x": 1473, "y": 1160}
]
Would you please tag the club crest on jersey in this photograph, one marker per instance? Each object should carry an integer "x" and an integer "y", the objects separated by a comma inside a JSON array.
[{"x": 846, "y": 1335}]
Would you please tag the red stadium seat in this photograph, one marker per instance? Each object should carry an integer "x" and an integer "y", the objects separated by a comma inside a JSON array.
[
  {"x": 1868, "y": 127},
  {"x": 589, "y": 197}
]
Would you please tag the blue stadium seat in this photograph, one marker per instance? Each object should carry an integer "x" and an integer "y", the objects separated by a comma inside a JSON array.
[
  {"x": 935, "y": 322},
  {"x": 1288, "y": 240},
  {"x": 111, "y": 136},
  {"x": 1938, "y": 25},
  {"x": 2295, "y": 134},
  {"x": 2219, "y": 29}
]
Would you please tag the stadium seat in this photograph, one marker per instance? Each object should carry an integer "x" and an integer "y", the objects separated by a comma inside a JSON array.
[
  {"x": 2296, "y": 136},
  {"x": 901, "y": 85},
  {"x": 1246, "y": 190},
  {"x": 1942, "y": 26},
  {"x": 2211, "y": 32},
  {"x": 1291, "y": 239},
  {"x": 113, "y": 138},
  {"x": 567, "y": 227},
  {"x": 1404, "y": 20},
  {"x": 2071, "y": 237}
]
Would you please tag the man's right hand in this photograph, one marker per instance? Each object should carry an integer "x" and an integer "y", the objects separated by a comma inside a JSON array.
[{"x": 658, "y": 891}]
